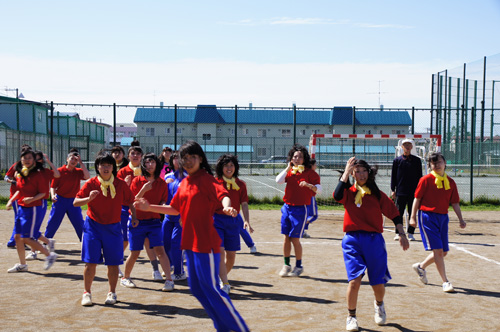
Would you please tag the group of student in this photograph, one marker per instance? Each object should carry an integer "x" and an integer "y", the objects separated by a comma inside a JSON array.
[{"x": 175, "y": 208}]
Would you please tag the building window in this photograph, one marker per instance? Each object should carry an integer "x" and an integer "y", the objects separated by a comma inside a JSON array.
[
  {"x": 302, "y": 132},
  {"x": 179, "y": 130},
  {"x": 167, "y": 131},
  {"x": 286, "y": 133},
  {"x": 231, "y": 131},
  {"x": 207, "y": 137},
  {"x": 193, "y": 129},
  {"x": 261, "y": 133},
  {"x": 261, "y": 152},
  {"x": 394, "y": 131},
  {"x": 40, "y": 117},
  {"x": 245, "y": 131},
  {"x": 150, "y": 131},
  {"x": 219, "y": 130}
]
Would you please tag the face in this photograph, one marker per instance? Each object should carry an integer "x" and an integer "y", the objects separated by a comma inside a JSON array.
[
  {"x": 105, "y": 171},
  {"x": 439, "y": 166},
  {"x": 118, "y": 155},
  {"x": 135, "y": 158},
  {"x": 228, "y": 169},
  {"x": 166, "y": 155},
  {"x": 407, "y": 148},
  {"x": 150, "y": 165},
  {"x": 175, "y": 161},
  {"x": 360, "y": 174},
  {"x": 72, "y": 161},
  {"x": 27, "y": 160},
  {"x": 191, "y": 163},
  {"x": 297, "y": 158}
]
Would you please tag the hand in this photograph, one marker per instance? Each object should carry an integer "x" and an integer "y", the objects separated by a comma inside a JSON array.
[
  {"x": 128, "y": 180},
  {"x": 413, "y": 221},
  {"x": 169, "y": 180},
  {"x": 393, "y": 195},
  {"x": 403, "y": 241},
  {"x": 135, "y": 222},
  {"x": 27, "y": 200},
  {"x": 303, "y": 184},
  {"x": 141, "y": 204},
  {"x": 8, "y": 206},
  {"x": 230, "y": 211},
  {"x": 247, "y": 226},
  {"x": 147, "y": 187},
  {"x": 93, "y": 194},
  {"x": 46, "y": 157},
  {"x": 462, "y": 224},
  {"x": 54, "y": 198},
  {"x": 350, "y": 165}
]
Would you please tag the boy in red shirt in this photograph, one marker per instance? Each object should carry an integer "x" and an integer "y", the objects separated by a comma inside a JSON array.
[
  {"x": 301, "y": 184},
  {"x": 434, "y": 194},
  {"x": 102, "y": 237}
]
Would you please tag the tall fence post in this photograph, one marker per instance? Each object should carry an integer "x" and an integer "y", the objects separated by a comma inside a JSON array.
[
  {"x": 175, "y": 127},
  {"x": 294, "y": 123},
  {"x": 413, "y": 120},
  {"x": 51, "y": 130},
  {"x": 235, "y": 130},
  {"x": 114, "y": 124},
  {"x": 472, "y": 140},
  {"x": 354, "y": 129}
]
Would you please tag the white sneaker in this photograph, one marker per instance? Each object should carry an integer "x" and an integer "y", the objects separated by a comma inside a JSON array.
[
  {"x": 253, "y": 249},
  {"x": 380, "y": 316},
  {"x": 168, "y": 286},
  {"x": 448, "y": 287},
  {"x": 297, "y": 271},
  {"x": 52, "y": 244},
  {"x": 31, "y": 256},
  {"x": 127, "y": 282},
  {"x": 178, "y": 277},
  {"x": 305, "y": 235},
  {"x": 50, "y": 260},
  {"x": 285, "y": 270},
  {"x": 86, "y": 299},
  {"x": 18, "y": 268},
  {"x": 411, "y": 237},
  {"x": 110, "y": 299},
  {"x": 351, "y": 324},
  {"x": 120, "y": 273},
  {"x": 422, "y": 275},
  {"x": 396, "y": 238},
  {"x": 226, "y": 288},
  {"x": 157, "y": 276}
]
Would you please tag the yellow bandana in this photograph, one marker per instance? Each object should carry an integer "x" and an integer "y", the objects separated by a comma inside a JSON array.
[
  {"x": 231, "y": 182},
  {"x": 299, "y": 169},
  {"x": 25, "y": 171},
  {"x": 440, "y": 180},
  {"x": 362, "y": 191},
  {"x": 137, "y": 170},
  {"x": 106, "y": 184}
]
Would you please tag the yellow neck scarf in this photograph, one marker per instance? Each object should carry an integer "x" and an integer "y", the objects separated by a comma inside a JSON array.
[
  {"x": 299, "y": 169},
  {"x": 440, "y": 180},
  {"x": 137, "y": 170},
  {"x": 25, "y": 171},
  {"x": 231, "y": 182},
  {"x": 106, "y": 184},
  {"x": 362, "y": 191}
]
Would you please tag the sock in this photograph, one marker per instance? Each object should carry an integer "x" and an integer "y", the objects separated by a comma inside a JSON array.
[
  {"x": 287, "y": 260},
  {"x": 155, "y": 265},
  {"x": 411, "y": 230},
  {"x": 352, "y": 312},
  {"x": 379, "y": 303},
  {"x": 298, "y": 263}
]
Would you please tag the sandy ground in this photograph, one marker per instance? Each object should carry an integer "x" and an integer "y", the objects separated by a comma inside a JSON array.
[{"x": 50, "y": 300}]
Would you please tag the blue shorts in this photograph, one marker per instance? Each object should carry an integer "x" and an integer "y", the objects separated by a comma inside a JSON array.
[
  {"x": 102, "y": 242},
  {"x": 125, "y": 218},
  {"x": 228, "y": 229},
  {"x": 312, "y": 210},
  {"x": 147, "y": 228},
  {"x": 29, "y": 220},
  {"x": 293, "y": 220},
  {"x": 434, "y": 230},
  {"x": 365, "y": 251}
]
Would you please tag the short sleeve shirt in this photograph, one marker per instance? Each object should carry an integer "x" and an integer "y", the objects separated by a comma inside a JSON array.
[
  {"x": 158, "y": 194},
  {"x": 433, "y": 199}
]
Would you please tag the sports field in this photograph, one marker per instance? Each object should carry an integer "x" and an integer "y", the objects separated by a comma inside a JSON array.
[{"x": 50, "y": 300}]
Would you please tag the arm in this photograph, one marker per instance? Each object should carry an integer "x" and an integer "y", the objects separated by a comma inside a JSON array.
[
  {"x": 12, "y": 199},
  {"x": 9, "y": 179},
  {"x": 133, "y": 214},
  {"x": 84, "y": 201},
  {"x": 143, "y": 205},
  {"x": 281, "y": 177},
  {"x": 145, "y": 188},
  {"x": 403, "y": 241},
  {"x": 414, "y": 209},
  {"x": 393, "y": 179},
  {"x": 56, "y": 172},
  {"x": 458, "y": 212},
  {"x": 227, "y": 209},
  {"x": 29, "y": 200},
  {"x": 53, "y": 195},
  {"x": 308, "y": 185},
  {"x": 246, "y": 216},
  {"x": 86, "y": 174}
]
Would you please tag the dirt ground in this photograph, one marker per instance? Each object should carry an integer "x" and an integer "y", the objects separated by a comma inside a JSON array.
[{"x": 50, "y": 300}]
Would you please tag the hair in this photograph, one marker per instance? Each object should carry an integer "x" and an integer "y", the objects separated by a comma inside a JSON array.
[
  {"x": 162, "y": 158},
  {"x": 313, "y": 161},
  {"x": 193, "y": 148},
  {"x": 301, "y": 148},
  {"x": 19, "y": 164},
  {"x": 73, "y": 150},
  {"x": 224, "y": 160},
  {"x": 135, "y": 148},
  {"x": 159, "y": 166},
  {"x": 370, "y": 182},
  {"x": 135, "y": 143},
  {"x": 434, "y": 157},
  {"x": 175, "y": 154},
  {"x": 39, "y": 154},
  {"x": 117, "y": 148},
  {"x": 25, "y": 147},
  {"x": 73, "y": 153},
  {"x": 104, "y": 157}
]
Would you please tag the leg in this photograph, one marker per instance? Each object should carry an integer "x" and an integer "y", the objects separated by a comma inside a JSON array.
[
  {"x": 222, "y": 266},
  {"x": 297, "y": 247},
  {"x": 230, "y": 259},
  {"x": 88, "y": 275},
  {"x": 164, "y": 261},
  {"x": 352, "y": 293},
  {"x": 175, "y": 249},
  {"x": 21, "y": 252},
  {"x": 129, "y": 263},
  {"x": 287, "y": 246},
  {"x": 56, "y": 216},
  {"x": 35, "y": 245},
  {"x": 76, "y": 219},
  {"x": 379, "y": 292},
  {"x": 151, "y": 254},
  {"x": 439, "y": 255},
  {"x": 112, "y": 277}
]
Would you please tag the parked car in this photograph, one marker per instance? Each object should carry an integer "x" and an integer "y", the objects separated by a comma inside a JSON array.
[{"x": 275, "y": 159}]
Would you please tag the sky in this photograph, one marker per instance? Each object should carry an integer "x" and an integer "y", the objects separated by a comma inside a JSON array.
[{"x": 269, "y": 53}]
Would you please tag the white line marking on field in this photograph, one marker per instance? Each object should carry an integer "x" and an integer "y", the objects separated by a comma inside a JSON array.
[
  {"x": 473, "y": 254},
  {"x": 249, "y": 179}
]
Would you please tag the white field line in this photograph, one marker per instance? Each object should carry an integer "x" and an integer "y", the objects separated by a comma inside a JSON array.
[
  {"x": 262, "y": 183},
  {"x": 473, "y": 254}
]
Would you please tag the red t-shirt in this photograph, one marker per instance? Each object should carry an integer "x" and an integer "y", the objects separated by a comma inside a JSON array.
[
  {"x": 124, "y": 172},
  {"x": 48, "y": 174},
  {"x": 296, "y": 195},
  {"x": 434, "y": 199},
  {"x": 196, "y": 200},
  {"x": 157, "y": 195},
  {"x": 31, "y": 186},
  {"x": 104, "y": 209},
  {"x": 11, "y": 173},
  {"x": 237, "y": 196},
  {"x": 367, "y": 217},
  {"x": 68, "y": 184}
]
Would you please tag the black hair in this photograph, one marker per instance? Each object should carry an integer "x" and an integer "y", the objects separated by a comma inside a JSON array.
[
  {"x": 174, "y": 155},
  {"x": 162, "y": 158},
  {"x": 193, "y": 148},
  {"x": 73, "y": 153},
  {"x": 73, "y": 150},
  {"x": 117, "y": 148},
  {"x": 135, "y": 148},
  {"x": 104, "y": 157},
  {"x": 305, "y": 154},
  {"x": 19, "y": 164},
  {"x": 25, "y": 147},
  {"x": 159, "y": 166},
  {"x": 370, "y": 182},
  {"x": 39, "y": 154},
  {"x": 135, "y": 143},
  {"x": 434, "y": 157},
  {"x": 313, "y": 161},
  {"x": 224, "y": 160}
]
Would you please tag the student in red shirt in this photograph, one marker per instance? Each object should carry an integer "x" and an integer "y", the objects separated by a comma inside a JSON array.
[
  {"x": 363, "y": 244},
  {"x": 301, "y": 184},
  {"x": 229, "y": 227},
  {"x": 196, "y": 200},
  {"x": 434, "y": 194},
  {"x": 119, "y": 155},
  {"x": 155, "y": 190},
  {"x": 31, "y": 189},
  {"x": 102, "y": 238}
]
